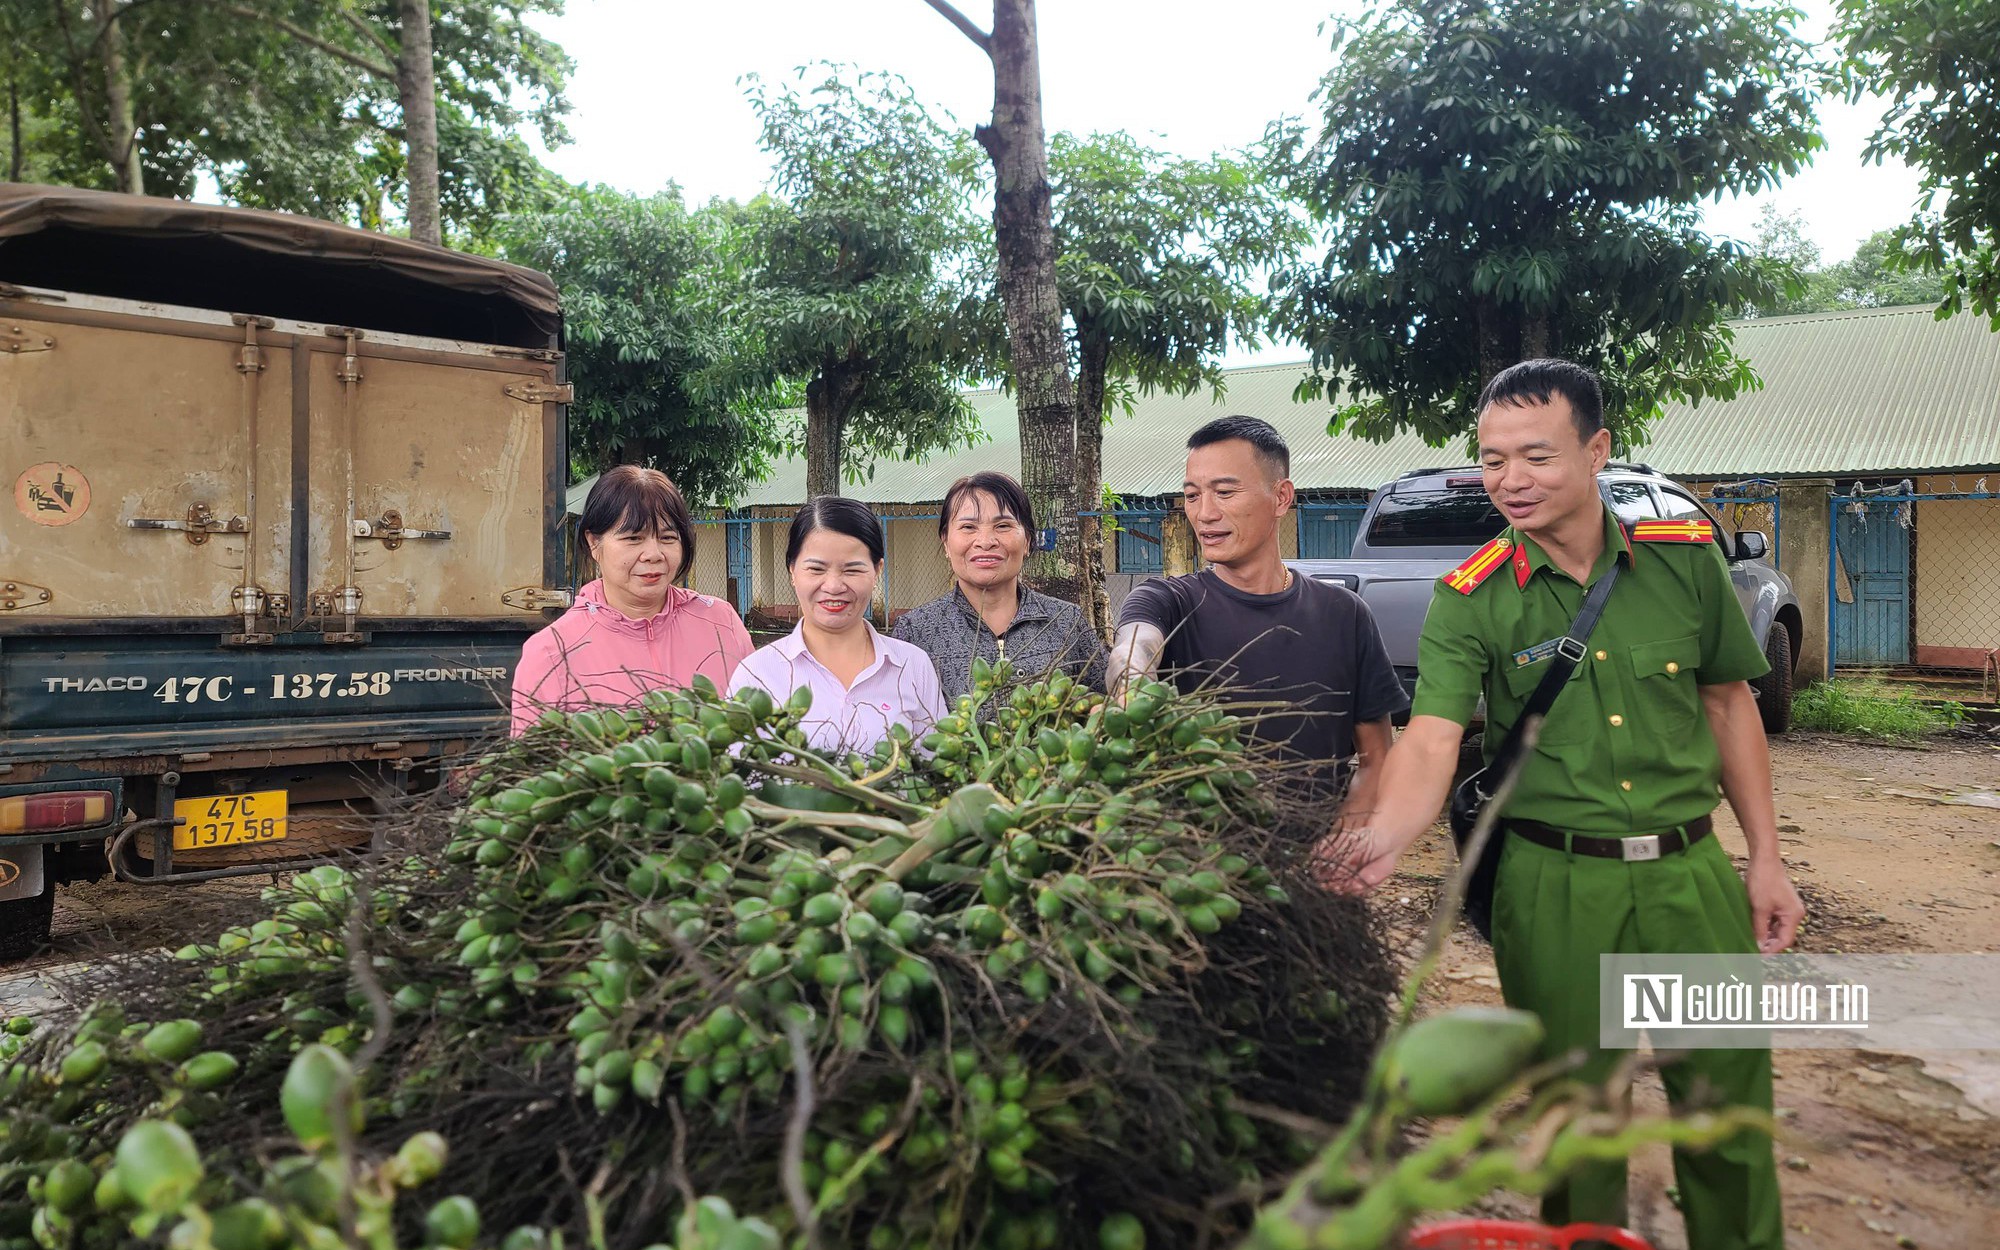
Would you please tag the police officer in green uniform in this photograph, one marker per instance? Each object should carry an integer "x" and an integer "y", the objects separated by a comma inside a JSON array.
[{"x": 1608, "y": 848}]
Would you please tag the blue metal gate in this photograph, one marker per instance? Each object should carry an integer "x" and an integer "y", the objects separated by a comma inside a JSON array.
[
  {"x": 1327, "y": 530},
  {"x": 737, "y": 534},
  {"x": 1139, "y": 545},
  {"x": 1871, "y": 610}
]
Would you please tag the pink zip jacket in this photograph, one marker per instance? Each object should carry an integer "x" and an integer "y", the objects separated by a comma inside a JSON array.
[{"x": 595, "y": 654}]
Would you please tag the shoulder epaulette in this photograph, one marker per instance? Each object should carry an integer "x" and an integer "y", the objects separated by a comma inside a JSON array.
[
  {"x": 1479, "y": 565},
  {"x": 1673, "y": 532}
]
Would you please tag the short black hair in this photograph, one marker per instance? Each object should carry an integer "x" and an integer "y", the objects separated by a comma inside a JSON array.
[
  {"x": 631, "y": 499},
  {"x": 1257, "y": 432},
  {"x": 841, "y": 515},
  {"x": 1005, "y": 491},
  {"x": 1539, "y": 381}
]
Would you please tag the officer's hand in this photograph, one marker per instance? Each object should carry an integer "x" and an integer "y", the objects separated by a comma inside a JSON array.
[
  {"x": 1776, "y": 910},
  {"x": 1352, "y": 861}
]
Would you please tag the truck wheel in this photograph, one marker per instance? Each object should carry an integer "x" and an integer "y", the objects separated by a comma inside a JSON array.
[
  {"x": 24, "y": 924},
  {"x": 1774, "y": 689}
]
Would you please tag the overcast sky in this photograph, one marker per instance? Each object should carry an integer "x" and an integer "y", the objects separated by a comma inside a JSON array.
[{"x": 657, "y": 100}]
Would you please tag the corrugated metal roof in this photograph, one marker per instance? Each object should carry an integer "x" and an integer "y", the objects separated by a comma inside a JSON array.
[
  {"x": 1145, "y": 451},
  {"x": 1888, "y": 390},
  {"x": 1880, "y": 391}
]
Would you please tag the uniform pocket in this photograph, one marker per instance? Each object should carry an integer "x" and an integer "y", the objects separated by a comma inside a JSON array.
[
  {"x": 1665, "y": 677},
  {"x": 1570, "y": 720}
]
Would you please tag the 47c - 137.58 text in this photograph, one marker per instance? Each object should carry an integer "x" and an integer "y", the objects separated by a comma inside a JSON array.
[{"x": 283, "y": 686}]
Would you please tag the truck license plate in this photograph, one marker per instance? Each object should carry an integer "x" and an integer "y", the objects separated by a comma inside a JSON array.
[{"x": 229, "y": 819}]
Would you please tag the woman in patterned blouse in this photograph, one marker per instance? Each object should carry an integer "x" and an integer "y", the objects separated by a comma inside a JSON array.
[{"x": 987, "y": 528}]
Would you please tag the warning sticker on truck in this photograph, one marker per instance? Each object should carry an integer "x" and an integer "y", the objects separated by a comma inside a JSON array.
[{"x": 52, "y": 493}]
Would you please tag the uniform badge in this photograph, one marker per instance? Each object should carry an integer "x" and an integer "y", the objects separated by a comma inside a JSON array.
[
  {"x": 1673, "y": 532},
  {"x": 1537, "y": 653},
  {"x": 1466, "y": 577}
]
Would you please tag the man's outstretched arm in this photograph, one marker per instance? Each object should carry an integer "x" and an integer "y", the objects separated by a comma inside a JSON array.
[
  {"x": 1416, "y": 779},
  {"x": 1135, "y": 656}
]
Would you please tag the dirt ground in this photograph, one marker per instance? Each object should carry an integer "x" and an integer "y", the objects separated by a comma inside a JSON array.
[{"x": 1879, "y": 1149}]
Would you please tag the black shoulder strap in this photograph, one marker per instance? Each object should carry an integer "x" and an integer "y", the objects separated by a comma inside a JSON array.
[{"x": 1569, "y": 653}]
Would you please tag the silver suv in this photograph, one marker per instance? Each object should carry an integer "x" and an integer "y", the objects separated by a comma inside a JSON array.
[{"x": 1423, "y": 524}]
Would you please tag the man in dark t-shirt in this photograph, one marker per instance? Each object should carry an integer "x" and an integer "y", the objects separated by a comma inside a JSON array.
[{"x": 1250, "y": 626}]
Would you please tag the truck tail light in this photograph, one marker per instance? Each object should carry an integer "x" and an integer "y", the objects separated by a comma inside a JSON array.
[{"x": 51, "y": 813}]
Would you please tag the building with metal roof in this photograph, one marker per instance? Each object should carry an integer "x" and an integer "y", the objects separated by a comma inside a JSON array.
[
  {"x": 1876, "y": 392},
  {"x": 1865, "y": 398}
]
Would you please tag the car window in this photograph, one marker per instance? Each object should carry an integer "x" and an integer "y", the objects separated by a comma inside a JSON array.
[
  {"x": 1434, "y": 518},
  {"x": 1631, "y": 501},
  {"x": 1675, "y": 506}
]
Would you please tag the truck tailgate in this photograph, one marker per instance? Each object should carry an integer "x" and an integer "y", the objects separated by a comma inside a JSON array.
[
  {"x": 109, "y": 695},
  {"x": 1397, "y": 592}
]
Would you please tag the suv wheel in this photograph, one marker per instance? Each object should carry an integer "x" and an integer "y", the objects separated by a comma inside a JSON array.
[{"x": 1774, "y": 689}]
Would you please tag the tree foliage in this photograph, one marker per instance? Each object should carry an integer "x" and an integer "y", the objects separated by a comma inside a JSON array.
[
  {"x": 289, "y": 104},
  {"x": 1938, "y": 62},
  {"x": 1878, "y": 275},
  {"x": 1507, "y": 180},
  {"x": 662, "y": 376},
  {"x": 858, "y": 269},
  {"x": 1156, "y": 261}
]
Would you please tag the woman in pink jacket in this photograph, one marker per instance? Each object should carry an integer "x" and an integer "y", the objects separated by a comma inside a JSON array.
[{"x": 634, "y": 629}]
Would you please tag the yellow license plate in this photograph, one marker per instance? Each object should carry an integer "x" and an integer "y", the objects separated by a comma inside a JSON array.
[{"x": 229, "y": 819}]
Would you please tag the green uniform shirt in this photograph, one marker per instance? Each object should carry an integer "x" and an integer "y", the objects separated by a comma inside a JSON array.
[{"x": 1626, "y": 748}]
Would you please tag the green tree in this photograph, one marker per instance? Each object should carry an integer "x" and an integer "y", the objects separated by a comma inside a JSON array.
[
  {"x": 333, "y": 109},
  {"x": 1509, "y": 180},
  {"x": 1155, "y": 260},
  {"x": 858, "y": 270},
  {"x": 663, "y": 378},
  {"x": 1876, "y": 276},
  {"x": 1938, "y": 63},
  {"x": 1879, "y": 275}
]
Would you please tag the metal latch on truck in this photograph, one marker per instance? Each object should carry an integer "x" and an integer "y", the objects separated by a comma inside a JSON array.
[
  {"x": 21, "y": 595},
  {"x": 391, "y": 530},
  {"x": 198, "y": 524},
  {"x": 17, "y": 339}
]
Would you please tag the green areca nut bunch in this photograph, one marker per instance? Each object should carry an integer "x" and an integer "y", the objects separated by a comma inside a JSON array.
[{"x": 1036, "y": 964}]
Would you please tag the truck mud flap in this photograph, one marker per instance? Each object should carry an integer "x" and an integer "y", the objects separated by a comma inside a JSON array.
[
  {"x": 124, "y": 860},
  {"x": 21, "y": 872}
]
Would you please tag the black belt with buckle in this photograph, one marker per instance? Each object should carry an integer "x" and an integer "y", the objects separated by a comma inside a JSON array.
[{"x": 1633, "y": 849}]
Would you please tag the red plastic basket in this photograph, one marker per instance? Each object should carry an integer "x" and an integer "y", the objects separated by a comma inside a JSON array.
[{"x": 1513, "y": 1235}]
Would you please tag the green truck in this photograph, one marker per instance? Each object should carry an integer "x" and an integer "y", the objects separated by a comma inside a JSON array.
[{"x": 285, "y": 498}]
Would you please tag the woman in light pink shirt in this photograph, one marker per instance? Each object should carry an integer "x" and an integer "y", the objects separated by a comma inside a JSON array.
[
  {"x": 632, "y": 630},
  {"x": 862, "y": 682}
]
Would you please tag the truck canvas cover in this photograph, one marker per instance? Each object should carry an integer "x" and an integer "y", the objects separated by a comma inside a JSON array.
[{"x": 273, "y": 264}]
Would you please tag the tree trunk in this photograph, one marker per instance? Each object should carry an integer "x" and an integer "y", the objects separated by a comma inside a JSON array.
[
  {"x": 824, "y": 417},
  {"x": 1536, "y": 340},
  {"x": 1046, "y": 399},
  {"x": 1094, "y": 359},
  {"x": 15, "y": 161},
  {"x": 1507, "y": 337},
  {"x": 642, "y": 450},
  {"x": 416, "y": 89},
  {"x": 127, "y": 161}
]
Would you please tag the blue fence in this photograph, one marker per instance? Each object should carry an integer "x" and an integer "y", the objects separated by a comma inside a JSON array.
[
  {"x": 1327, "y": 530},
  {"x": 1911, "y": 580},
  {"x": 1752, "y": 505}
]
